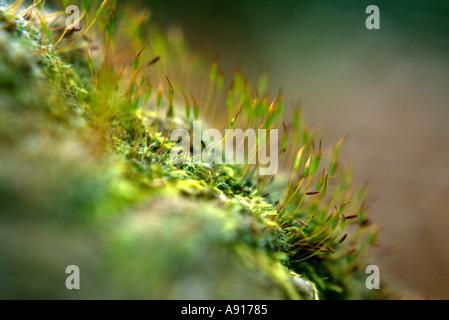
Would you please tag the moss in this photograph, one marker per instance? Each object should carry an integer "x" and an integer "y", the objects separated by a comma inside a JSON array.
[{"x": 87, "y": 178}]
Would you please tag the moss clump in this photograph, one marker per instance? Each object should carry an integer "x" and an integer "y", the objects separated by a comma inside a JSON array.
[{"x": 87, "y": 177}]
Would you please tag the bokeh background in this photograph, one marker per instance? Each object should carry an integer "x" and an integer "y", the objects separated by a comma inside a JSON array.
[{"x": 387, "y": 89}]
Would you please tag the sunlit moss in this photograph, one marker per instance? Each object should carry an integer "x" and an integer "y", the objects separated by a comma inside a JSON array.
[{"x": 86, "y": 173}]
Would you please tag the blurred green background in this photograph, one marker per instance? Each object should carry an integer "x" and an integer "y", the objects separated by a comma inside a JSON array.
[{"x": 386, "y": 89}]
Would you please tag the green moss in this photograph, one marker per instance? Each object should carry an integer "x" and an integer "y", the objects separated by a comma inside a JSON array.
[{"x": 87, "y": 178}]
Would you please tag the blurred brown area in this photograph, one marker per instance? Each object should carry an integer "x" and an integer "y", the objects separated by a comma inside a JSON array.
[
  {"x": 393, "y": 112},
  {"x": 387, "y": 90}
]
